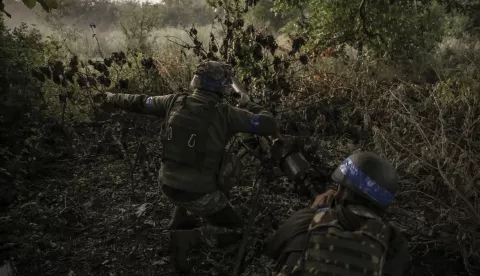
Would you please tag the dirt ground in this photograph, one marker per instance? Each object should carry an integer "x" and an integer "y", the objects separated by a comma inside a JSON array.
[{"x": 82, "y": 218}]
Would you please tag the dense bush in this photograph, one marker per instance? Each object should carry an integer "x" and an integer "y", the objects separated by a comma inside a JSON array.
[
  {"x": 398, "y": 30},
  {"x": 85, "y": 178},
  {"x": 33, "y": 134},
  {"x": 20, "y": 101}
]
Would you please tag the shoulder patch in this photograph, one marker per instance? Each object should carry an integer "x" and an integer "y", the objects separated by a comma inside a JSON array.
[
  {"x": 149, "y": 101},
  {"x": 254, "y": 121}
]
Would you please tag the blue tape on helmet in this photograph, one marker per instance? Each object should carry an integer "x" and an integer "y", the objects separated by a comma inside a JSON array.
[
  {"x": 254, "y": 123},
  {"x": 365, "y": 183},
  {"x": 210, "y": 82},
  {"x": 322, "y": 209}
]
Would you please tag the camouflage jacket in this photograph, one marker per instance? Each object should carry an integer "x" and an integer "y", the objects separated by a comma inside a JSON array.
[
  {"x": 229, "y": 121},
  {"x": 287, "y": 245}
]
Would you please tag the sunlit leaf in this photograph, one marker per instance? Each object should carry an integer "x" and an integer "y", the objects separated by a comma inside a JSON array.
[
  {"x": 48, "y": 5},
  {"x": 2, "y": 6},
  {"x": 29, "y": 3},
  {"x": 51, "y": 3}
]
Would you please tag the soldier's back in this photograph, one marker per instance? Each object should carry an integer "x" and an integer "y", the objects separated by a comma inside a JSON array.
[{"x": 204, "y": 122}]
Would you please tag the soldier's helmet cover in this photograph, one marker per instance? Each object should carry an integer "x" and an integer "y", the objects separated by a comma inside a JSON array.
[
  {"x": 213, "y": 76},
  {"x": 370, "y": 176}
]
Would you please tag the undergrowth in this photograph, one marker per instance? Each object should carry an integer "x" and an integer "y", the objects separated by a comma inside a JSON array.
[{"x": 79, "y": 184}]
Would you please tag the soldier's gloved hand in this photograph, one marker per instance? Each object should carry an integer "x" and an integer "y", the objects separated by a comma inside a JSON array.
[
  {"x": 324, "y": 200},
  {"x": 101, "y": 99},
  {"x": 243, "y": 100}
]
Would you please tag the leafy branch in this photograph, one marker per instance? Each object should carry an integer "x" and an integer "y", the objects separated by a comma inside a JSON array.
[
  {"x": 256, "y": 56},
  {"x": 47, "y": 5}
]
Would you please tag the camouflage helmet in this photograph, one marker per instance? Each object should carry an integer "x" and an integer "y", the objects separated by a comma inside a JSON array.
[
  {"x": 369, "y": 176},
  {"x": 213, "y": 76}
]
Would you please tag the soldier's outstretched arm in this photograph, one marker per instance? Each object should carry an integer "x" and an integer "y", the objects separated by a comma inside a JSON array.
[
  {"x": 253, "y": 119},
  {"x": 139, "y": 103}
]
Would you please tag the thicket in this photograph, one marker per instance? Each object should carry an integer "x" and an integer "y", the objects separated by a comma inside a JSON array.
[
  {"x": 398, "y": 78},
  {"x": 20, "y": 105}
]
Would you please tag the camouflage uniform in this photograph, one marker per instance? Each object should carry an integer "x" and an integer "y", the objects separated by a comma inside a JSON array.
[
  {"x": 226, "y": 122},
  {"x": 337, "y": 238},
  {"x": 198, "y": 127}
]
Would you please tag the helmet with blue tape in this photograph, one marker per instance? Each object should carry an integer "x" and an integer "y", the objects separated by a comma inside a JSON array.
[
  {"x": 214, "y": 76},
  {"x": 369, "y": 176}
]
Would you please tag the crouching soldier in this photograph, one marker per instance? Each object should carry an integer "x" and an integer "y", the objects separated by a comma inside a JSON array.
[
  {"x": 344, "y": 232},
  {"x": 197, "y": 129}
]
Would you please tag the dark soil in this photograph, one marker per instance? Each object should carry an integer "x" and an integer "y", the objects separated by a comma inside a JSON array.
[{"x": 84, "y": 217}]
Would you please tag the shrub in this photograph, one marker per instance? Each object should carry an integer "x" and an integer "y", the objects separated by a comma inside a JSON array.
[{"x": 20, "y": 105}]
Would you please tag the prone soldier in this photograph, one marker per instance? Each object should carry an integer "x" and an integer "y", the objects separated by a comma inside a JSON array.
[{"x": 344, "y": 232}]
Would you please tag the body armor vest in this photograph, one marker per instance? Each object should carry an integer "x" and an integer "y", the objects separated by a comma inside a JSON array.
[
  {"x": 331, "y": 250},
  {"x": 186, "y": 135}
]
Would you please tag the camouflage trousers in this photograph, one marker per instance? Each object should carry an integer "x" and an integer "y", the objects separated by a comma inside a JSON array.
[{"x": 205, "y": 206}]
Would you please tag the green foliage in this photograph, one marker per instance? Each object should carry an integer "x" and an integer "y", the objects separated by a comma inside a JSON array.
[
  {"x": 137, "y": 23},
  {"x": 19, "y": 49},
  {"x": 103, "y": 13},
  {"x": 20, "y": 104},
  {"x": 263, "y": 15},
  {"x": 30, "y": 3},
  {"x": 254, "y": 54},
  {"x": 185, "y": 12},
  {"x": 456, "y": 61},
  {"x": 72, "y": 84},
  {"x": 396, "y": 29}
]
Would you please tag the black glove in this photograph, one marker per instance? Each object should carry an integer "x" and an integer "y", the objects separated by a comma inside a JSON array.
[
  {"x": 243, "y": 100},
  {"x": 101, "y": 99}
]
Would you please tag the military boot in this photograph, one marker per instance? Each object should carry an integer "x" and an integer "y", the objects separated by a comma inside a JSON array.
[
  {"x": 181, "y": 242},
  {"x": 181, "y": 220}
]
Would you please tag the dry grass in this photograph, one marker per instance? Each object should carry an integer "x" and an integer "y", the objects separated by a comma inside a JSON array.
[{"x": 430, "y": 133}]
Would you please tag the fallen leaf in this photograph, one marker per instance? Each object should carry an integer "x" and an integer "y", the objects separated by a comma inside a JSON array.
[{"x": 141, "y": 210}]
